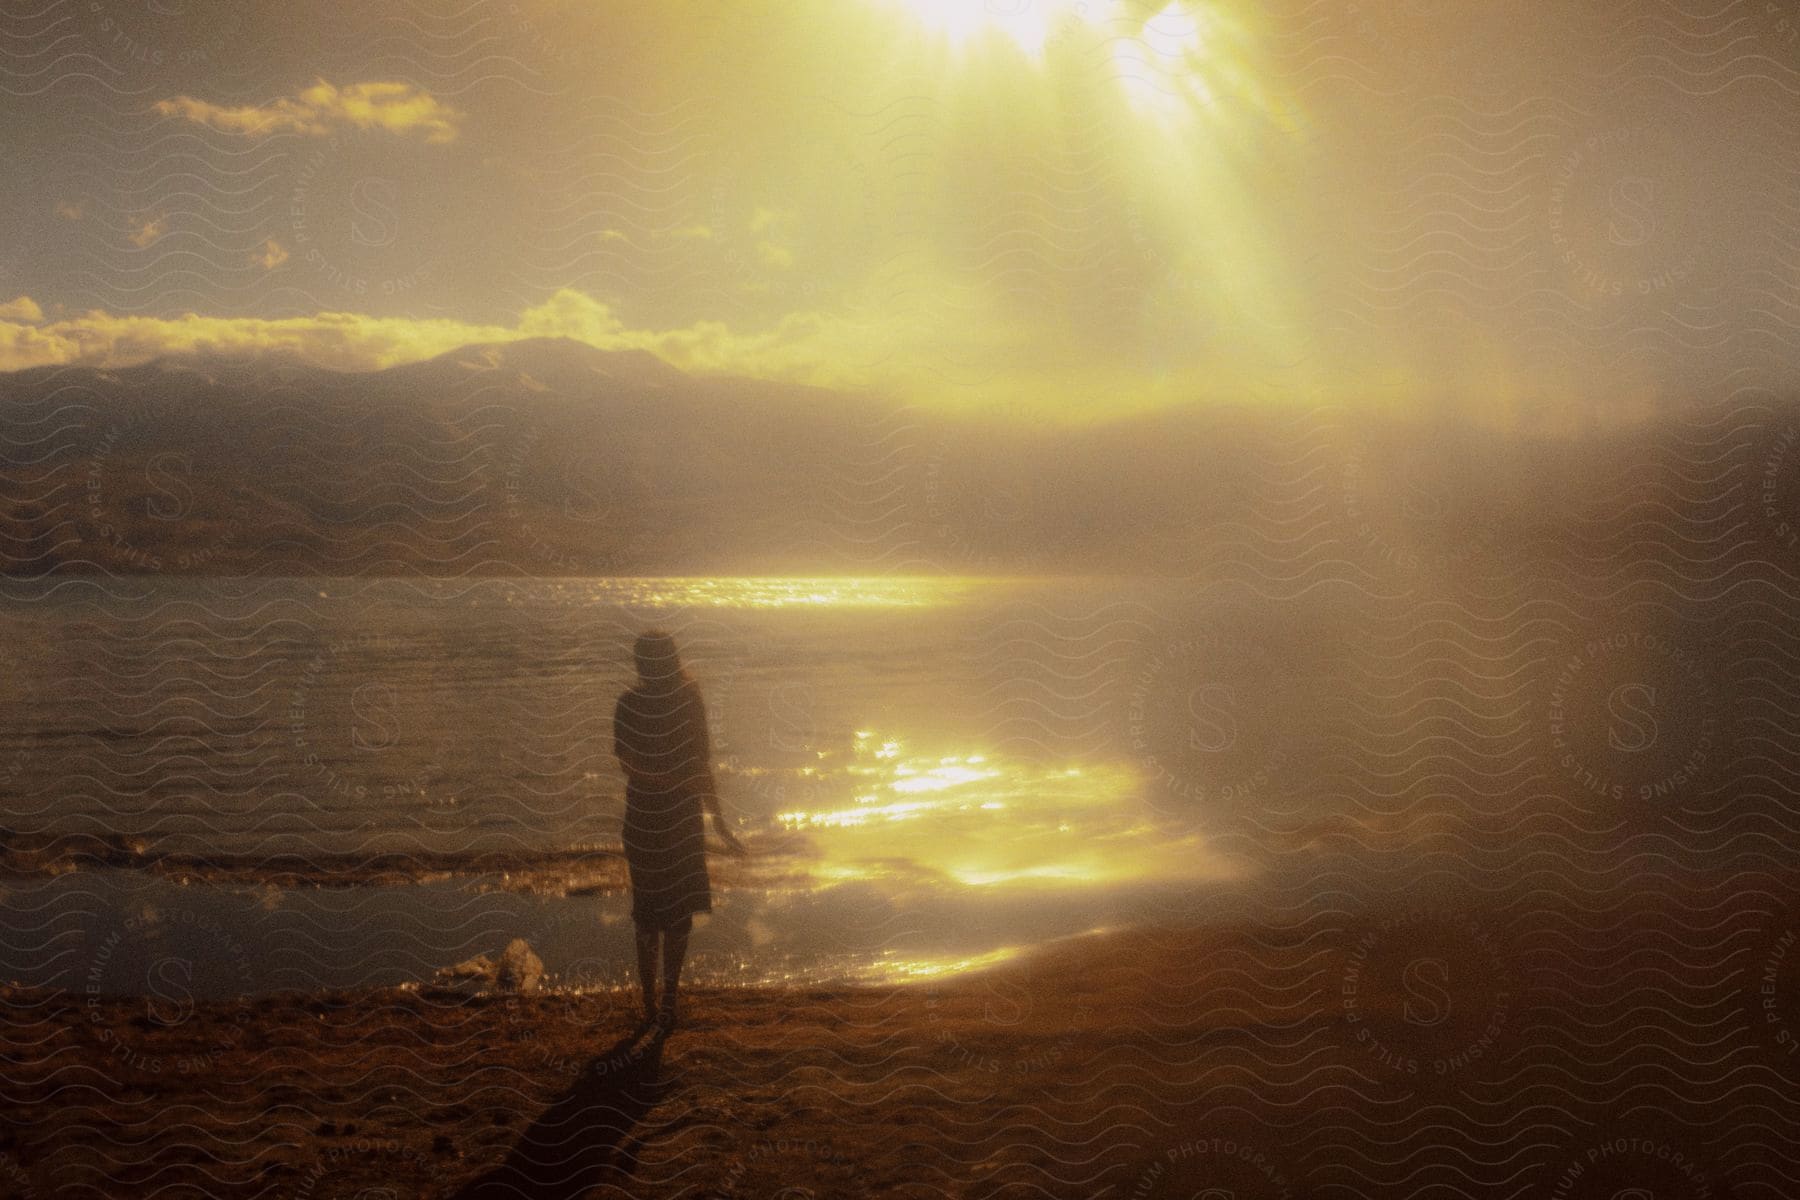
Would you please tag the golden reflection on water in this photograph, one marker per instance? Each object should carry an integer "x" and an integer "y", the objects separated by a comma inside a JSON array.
[
  {"x": 885, "y": 967},
  {"x": 916, "y": 970},
  {"x": 979, "y": 820},
  {"x": 788, "y": 591}
]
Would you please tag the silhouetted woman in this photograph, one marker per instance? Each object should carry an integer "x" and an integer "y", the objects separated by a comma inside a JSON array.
[{"x": 660, "y": 738}]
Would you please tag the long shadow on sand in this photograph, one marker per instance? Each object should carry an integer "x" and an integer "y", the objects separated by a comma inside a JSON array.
[{"x": 578, "y": 1142}]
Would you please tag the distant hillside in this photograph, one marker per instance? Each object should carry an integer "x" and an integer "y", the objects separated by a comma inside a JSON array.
[
  {"x": 542, "y": 456},
  {"x": 551, "y": 457}
]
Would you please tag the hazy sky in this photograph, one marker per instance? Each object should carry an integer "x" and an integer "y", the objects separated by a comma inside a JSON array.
[{"x": 1040, "y": 206}]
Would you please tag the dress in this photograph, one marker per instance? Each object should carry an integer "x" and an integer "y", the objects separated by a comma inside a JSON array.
[{"x": 664, "y": 733}]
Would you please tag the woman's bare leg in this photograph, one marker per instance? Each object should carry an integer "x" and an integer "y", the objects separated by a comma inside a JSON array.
[
  {"x": 674, "y": 953},
  {"x": 646, "y": 956}
]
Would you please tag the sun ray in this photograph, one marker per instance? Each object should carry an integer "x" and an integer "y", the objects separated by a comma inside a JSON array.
[{"x": 1030, "y": 25}]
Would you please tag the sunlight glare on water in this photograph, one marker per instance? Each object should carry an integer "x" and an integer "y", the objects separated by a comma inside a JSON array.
[
  {"x": 899, "y": 969},
  {"x": 979, "y": 820},
  {"x": 783, "y": 591}
]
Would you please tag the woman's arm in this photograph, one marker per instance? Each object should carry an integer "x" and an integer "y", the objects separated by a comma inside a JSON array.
[
  {"x": 709, "y": 800},
  {"x": 701, "y": 746}
]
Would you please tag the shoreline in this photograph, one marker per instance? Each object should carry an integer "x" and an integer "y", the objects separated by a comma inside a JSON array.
[{"x": 583, "y": 869}]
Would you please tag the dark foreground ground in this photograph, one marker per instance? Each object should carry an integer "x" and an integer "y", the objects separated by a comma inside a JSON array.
[{"x": 1429, "y": 1056}]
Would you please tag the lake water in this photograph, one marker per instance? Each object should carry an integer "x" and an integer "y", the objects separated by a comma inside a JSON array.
[
  {"x": 325, "y": 783},
  {"x": 931, "y": 772}
]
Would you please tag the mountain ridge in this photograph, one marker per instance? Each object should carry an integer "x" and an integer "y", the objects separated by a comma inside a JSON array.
[{"x": 551, "y": 456}]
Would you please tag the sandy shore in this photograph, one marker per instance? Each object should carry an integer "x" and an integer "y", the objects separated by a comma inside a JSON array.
[{"x": 1132, "y": 1065}]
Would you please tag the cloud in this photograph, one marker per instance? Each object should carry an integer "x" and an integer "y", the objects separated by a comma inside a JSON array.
[
  {"x": 149, "y": 231},
  {"x": 817, "y": 348},
  {"x": 917, "y": 358},
  {"x": 271, "y": 255},
  {"x": 797, "y": 348},
  {"x": 350, "y": 341},
  {"x": 572, "y": 314},
  {"x": 322, "y": 109},
  {"x": 69, "y": 210}
]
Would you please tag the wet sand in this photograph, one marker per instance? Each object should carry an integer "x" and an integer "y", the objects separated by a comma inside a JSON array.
[{"x": 1267, "y": 1061}]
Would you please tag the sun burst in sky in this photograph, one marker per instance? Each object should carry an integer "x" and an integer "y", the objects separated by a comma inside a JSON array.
[
  {"x": 1029, "y": 24},
  {"x": 1182, "y": 68}
]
